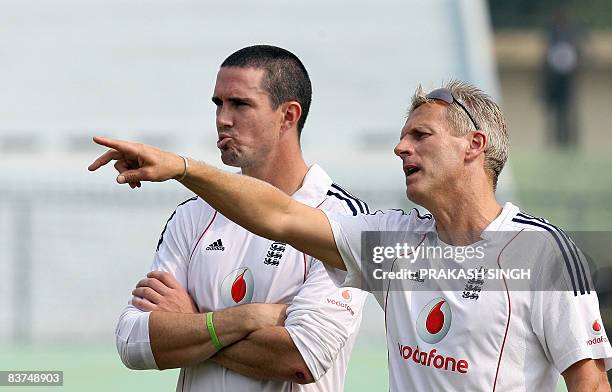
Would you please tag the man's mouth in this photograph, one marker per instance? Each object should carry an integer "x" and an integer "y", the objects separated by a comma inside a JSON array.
[
  {"x": 223, "y": 140},
  {"x": 410, "y": 170}
]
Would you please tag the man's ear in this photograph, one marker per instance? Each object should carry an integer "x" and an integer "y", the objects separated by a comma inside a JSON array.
[
  {"x": 477, "y": 144},
  {"x": 291, "y": 112}
]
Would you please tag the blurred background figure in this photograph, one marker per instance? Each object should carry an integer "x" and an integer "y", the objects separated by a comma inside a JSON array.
[{"x": 561, "y": 66}]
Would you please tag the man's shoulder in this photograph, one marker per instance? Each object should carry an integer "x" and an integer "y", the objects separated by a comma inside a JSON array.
[
  {"x": 537, "y": 227},
  {"x": 394, "y": 220},
  {"x": 193, "y": 209},
  {"x": 397, "y": 219},
  {"x": 555, "y": 249},
  {"x": 339, "y": 199},
  {"x": 191, "y": 205}
]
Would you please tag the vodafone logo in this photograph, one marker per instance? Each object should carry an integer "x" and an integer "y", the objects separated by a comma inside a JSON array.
[
  {"x": 596, "y": 327},
  {"x": 597, "y": 331},
  {"x": 346, "y": 295},
  {"x": 237, "y": 287},
  {"x": 434, "y": 321}
]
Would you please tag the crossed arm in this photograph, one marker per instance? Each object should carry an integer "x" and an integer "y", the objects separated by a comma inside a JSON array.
[{"x": 251, "y": 333}]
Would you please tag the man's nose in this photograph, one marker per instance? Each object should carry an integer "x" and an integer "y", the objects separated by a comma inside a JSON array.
[
  {"x": 224, "y": 118},
  {"x": 403, "y": 147}
]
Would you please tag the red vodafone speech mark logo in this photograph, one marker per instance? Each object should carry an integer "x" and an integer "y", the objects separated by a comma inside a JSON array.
[
  {"x": 596, "y": 327},
  {"x": 237, "y": 287},
  {"x": 346, "y": 295},
  {"x": 434, "y": 321}
]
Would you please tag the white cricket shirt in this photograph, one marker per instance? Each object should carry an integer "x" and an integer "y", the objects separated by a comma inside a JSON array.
[
  {"x": 223, "y": 265},
  {"x": 485, "y": 335}
]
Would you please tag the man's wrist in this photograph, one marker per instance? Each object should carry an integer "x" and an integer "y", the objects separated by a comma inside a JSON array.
[
  {"x": 246, "y": 315},
  {"x": 237, "y": 321},
  {"x": 184, "y": 168},
  {"x": 212, "y": 332}
]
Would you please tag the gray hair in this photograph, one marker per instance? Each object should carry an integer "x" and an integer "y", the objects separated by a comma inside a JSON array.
[{"x": 488, "y": 116}]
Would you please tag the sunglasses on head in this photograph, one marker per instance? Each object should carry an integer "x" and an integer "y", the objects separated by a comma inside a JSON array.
[{"x": 444, "y": 94}]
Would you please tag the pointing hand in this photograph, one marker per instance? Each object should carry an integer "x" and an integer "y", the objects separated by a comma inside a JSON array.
[{"x": 138, "y": 162}]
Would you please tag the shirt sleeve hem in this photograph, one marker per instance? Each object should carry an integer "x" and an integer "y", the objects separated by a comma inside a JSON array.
[
  {"x": 353, "y": 274},
  {"x": 579, "y": 354}
]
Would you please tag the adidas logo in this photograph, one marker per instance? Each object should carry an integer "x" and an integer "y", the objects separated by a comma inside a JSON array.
[{"x": 217, "y": 245}]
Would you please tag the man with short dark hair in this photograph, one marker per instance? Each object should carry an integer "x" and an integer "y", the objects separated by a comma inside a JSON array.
[
  {"x": 285, "y": 77},
  {"x": 473, "y": 332},
  {"x": 235, "y": 311}
]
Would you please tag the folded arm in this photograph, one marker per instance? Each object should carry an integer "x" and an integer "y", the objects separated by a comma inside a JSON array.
[
  {"x": 261, "y": 352},
  {"x": 179, "y": 339},
  {"x": 315, "y": 332},
  {"x": 179, "y": 336},
  {"x": 165, "y": 317}
]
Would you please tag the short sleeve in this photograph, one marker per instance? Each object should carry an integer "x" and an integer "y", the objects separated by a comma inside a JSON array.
[
  {"x": 568, "y": 322},
  {"x": 570, "y": 328},
  {"x": 347, "y": 232}
]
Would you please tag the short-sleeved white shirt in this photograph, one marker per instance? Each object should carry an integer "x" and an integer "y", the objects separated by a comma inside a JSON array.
[
  {"x": 481, "y": 338},
  {"x": 222, "y": 265}
]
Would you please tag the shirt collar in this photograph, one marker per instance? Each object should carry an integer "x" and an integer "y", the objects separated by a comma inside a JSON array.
[
  {"x": 314, "y": 187},
  {"x": 507, "y": 213}
]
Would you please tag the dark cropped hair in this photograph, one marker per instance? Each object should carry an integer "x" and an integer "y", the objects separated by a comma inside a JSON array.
[{"x": 285, "y": 79}]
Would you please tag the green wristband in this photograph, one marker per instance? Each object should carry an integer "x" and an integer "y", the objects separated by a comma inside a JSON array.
[{"x": 211, "y": 331}]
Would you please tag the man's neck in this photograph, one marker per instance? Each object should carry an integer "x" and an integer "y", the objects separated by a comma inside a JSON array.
[
  {"x": 286, "y": 171},
  {"x": 461, "y": 219}
]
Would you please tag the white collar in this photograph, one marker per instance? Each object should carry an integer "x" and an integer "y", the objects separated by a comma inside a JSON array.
[
  {"x": 314, "y": 187},
  {"x": 507, "y": 213}
]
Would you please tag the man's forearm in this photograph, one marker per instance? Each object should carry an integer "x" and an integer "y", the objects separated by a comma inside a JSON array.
[
  {"x": 253, "y": 204},
  {"x": 242, "y": 199},
  {"x": 587, "y": 375},
  {"x": 182, "y": 339},
  {"x": 265, "y": 210},
  {"x": 261, "y": 352}
]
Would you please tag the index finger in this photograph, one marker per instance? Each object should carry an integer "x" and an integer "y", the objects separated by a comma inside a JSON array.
[
  {"x": 166, "y": 278},
  {"x": 119, "y": 145}
]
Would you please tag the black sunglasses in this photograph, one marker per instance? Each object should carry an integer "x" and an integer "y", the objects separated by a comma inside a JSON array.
[{"x": 444, "y": 94}]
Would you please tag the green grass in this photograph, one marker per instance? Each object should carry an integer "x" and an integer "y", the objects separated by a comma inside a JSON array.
[
  {"x": 96, "y": 368},
  {"x": 86, "y": 368}
]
